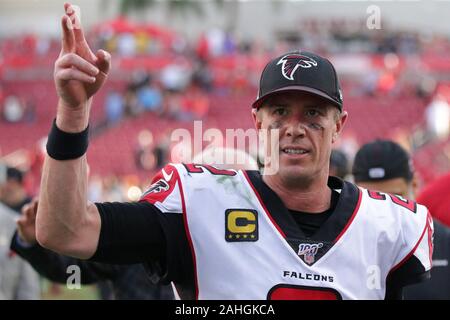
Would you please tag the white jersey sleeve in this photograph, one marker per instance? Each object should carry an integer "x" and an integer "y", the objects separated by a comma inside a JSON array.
[
  {"x": 413, "y": 259},
  {"x": 423, "y": 230}
]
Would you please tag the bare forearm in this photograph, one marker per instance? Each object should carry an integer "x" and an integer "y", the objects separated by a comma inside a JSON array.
[
  {"x": 62, "y": 200},
  {"x": 63, "y": 216}
]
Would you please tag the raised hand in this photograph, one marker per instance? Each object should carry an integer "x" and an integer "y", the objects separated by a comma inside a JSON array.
[
  {"x": 79, "y": 73},
  {"x": 26, "y": 224}
]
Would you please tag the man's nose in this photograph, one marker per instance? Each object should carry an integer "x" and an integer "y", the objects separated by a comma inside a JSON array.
[{"x": 295, "y": 129}]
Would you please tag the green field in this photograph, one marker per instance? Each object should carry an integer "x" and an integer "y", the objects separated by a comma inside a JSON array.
[{"x": 51, "y": 291}]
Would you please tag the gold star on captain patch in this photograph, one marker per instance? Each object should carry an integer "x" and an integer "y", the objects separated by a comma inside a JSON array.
[
  {"x": 230, "y": 236},
  {"x": 238, "y": 236},
  {"x": 245, "y": 236},
  {"x": 252, "y": 236}
]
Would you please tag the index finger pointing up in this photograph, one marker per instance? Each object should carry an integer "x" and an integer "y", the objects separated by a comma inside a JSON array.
[
  {"x": 68, "y": 37},
  {"x": 80, "y": 40},
  {"x": 76, "y": 22}
]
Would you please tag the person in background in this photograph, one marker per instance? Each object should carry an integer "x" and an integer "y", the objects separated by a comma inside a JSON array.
[
  {"x": 385, "y": 166},
  {"x": 13, "y": 109},
  {"x": 339, "y": 166},
  {"x": 17, "y": 279},
  {"x": 12, "y": 189},
  {"x": 128, "y": 282},
  {"x": 114, "y": 107}
]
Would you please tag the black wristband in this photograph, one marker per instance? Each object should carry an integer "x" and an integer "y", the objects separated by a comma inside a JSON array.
[{"x": 67, "y": 146}]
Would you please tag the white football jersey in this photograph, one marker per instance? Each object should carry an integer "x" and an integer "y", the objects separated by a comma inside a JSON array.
[{"x": 245, "y": 243}]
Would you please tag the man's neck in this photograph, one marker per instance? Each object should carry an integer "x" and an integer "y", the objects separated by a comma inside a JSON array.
[{"x": 313, "y": 197}]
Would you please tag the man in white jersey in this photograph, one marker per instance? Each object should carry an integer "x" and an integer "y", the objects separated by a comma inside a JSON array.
[{"x": 224, "y": 234}]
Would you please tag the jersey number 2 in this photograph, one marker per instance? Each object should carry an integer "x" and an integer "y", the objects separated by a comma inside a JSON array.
[
  {"x": 198, "y": 168},
  {"x": 405, "y": 203}
]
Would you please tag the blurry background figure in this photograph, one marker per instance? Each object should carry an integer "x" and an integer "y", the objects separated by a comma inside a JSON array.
[
  {"x": 202, "y": 75},
  {"x": 114, "y": 107},
  {"x": 161, "y": 151},
  {"x": 144, "y": 156},
  {"x": 339, "y": 164},
  {"x": 215, "y": 38},
  {"x": 193, "y": 106},
  {"x": 13, "y": 109},
  {"x": 386, "y": 167},
  {"x": 196, "y": 104},
  {"x": 12, "y": 189},
  {"x": 437, "y": 117},
  {"x": 121, "y": 282},
  {"x": 17, "y": 279},
  {"x": 151, "y": 155},
  {"x": 435, "y": 196},
  {"x": 132, "y": 106},
  {"x": 175, "y": 76},
  {"x": 126, "y": 44},
  {"x": 385, "y": 164},
  {"x": 113, "y": 189},
  {"x": 149, "y": 96}
]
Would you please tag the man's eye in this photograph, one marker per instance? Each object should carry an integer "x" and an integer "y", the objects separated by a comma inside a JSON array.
[
  {"x": 280, "y": 111},
  {"x": 312, "y": 112}
]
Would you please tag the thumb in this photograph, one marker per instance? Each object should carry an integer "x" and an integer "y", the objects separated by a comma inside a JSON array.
[
  {"x": 20, "y": 222},
  {"x": 25, "y": 209},
  {"x": 30, "y": 213}
]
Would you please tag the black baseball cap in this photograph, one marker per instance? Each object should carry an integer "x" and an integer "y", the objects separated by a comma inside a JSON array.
[
  {"x": 302, "y": 71},
  {"x": 10, "y": 173},
  {"x": 14, "y": 174},
  {"x": 339, "y": 161},
  {"x": 382, "y": 160}
]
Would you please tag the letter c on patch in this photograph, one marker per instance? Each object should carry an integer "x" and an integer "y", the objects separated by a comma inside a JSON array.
[{"x": 250, "y": 225}]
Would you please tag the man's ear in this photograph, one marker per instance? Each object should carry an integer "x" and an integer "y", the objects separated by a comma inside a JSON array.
[
  {"x": 339, "y": 125},
  {"x": 256, "y": 115}
]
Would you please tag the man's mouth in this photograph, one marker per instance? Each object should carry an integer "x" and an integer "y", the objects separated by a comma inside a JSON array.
[{"x": 294, "y": 150}]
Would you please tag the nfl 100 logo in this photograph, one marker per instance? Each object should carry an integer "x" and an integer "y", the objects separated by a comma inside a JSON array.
[{"x": 309, "y": 251}]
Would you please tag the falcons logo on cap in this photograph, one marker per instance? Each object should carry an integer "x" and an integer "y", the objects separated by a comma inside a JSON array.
[{"x": 291, "y": 62}]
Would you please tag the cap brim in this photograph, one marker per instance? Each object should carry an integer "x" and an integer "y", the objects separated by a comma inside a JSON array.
[{"x": 261, "y": 99}]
